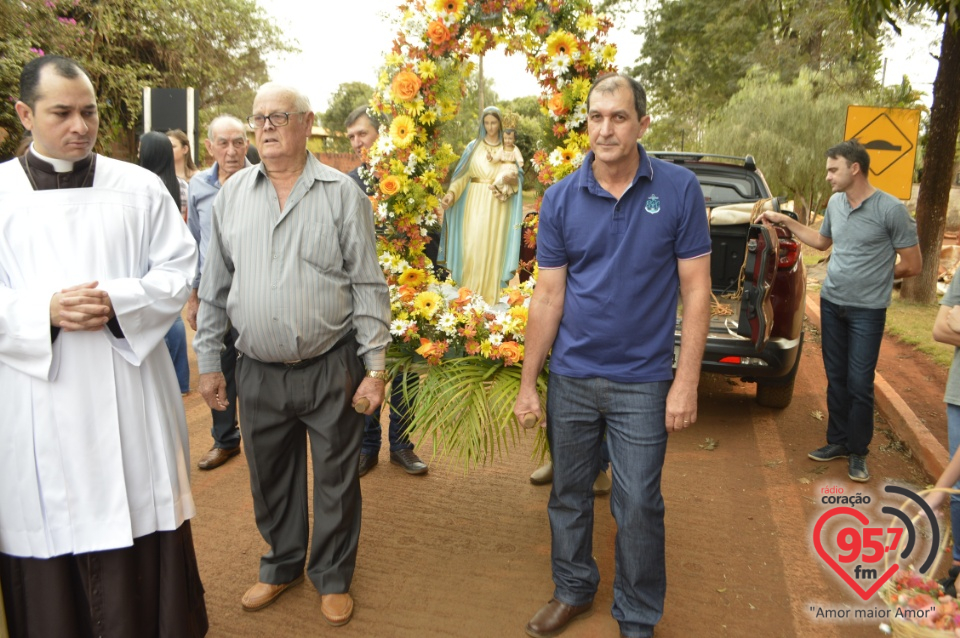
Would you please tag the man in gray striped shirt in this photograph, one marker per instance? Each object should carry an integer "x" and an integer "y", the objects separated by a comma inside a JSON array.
[{"x": 292, "y": 264}]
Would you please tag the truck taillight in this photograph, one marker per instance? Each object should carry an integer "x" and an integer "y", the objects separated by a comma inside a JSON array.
[{"x": 789, "y": 250}]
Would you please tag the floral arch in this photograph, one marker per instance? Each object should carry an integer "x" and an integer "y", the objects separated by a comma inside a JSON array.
[{"x": 466, "y": 348}]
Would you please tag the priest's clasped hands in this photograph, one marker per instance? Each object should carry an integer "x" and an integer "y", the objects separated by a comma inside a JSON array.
[{"x": 81, "y": 307}]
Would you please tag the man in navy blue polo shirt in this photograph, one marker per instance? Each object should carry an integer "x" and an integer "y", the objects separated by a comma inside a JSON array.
[{"x": 618, "y": 239}]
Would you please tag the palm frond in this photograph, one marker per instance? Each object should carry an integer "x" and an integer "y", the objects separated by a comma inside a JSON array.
[{"x": 464, "y": 406}]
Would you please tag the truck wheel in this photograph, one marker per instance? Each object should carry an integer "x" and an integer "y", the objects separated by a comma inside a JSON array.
[
  {"x": 771, "y": 395},
  {"x": 778, "y": 393}
]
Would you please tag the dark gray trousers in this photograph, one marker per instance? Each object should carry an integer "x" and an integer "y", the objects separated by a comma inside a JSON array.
[{"x": 283, "y": 407}]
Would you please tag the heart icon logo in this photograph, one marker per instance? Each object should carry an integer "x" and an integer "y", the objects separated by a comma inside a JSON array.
[{"x": 865, "y": 594}]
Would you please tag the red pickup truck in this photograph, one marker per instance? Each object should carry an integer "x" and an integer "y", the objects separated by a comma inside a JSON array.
[{"x": 758, "y": 279}]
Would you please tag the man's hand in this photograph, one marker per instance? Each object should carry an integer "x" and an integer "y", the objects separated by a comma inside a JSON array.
[
  {"x": 681, "y": 407},
  {"x": 527, "y": 409},
  {"x": 80, "y": 307},
  {"x": 774, "y": 218},
  {"x": 193, "y": 305},
  {"x": 372, "y": 390},
  {"x": 213, "y": 388}
]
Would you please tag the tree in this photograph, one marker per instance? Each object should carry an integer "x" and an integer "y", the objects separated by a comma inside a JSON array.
[
  {"x": 219, "y": 48},
  {"x": 694, "y": 54},
  {"x": 349, "y": 95},
  {"x": 532, "y": 131},
  {"x": 941, "y": 147},
  {"x": 463, "y": 128},
  {"x": 784, "y": 127}
]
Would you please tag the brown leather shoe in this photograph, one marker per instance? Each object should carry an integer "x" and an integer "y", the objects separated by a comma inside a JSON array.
[
  {"x": 337, "y": 609},
  {"x": 216, "y": 457},
  {"x": 263, "y": 594},
  {"x": 554, "y": 617}
]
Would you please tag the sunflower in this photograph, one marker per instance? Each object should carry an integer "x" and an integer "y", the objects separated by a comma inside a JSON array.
[
  {"x": 427, "y": 303},
  {"x": 402, "y": 131},
  {"x": 561, "y": 43},
  {"x": 412, "y": 277}
]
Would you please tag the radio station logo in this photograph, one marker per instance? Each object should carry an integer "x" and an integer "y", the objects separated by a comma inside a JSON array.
[{"x": 856, "y": 547}]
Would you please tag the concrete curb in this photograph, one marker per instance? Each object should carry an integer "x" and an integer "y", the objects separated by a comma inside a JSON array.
[{"x": 931, "y": 454}]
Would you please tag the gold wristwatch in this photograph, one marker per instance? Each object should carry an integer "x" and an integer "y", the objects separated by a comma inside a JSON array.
[{"x": 377, "y": 374}]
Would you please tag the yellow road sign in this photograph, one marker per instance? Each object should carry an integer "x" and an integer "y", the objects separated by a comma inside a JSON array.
[{"x": 890, "y": 136}]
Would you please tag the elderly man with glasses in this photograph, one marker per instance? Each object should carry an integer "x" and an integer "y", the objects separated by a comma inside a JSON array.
[{"x": 292, "y": 264}]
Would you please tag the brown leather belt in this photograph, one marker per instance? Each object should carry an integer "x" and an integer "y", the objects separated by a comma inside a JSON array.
[{"x": 475, "y": 180}]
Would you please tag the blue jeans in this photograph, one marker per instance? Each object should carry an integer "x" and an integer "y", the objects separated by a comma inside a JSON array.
[
  {"x": 176, "y": 340},
  {"x": 850, "y": 339},
  {"x": 953, "y": 437},
  {"x": 399, "y": 421},
  {"x": 225, "y": 433},
  {"x": 632, "y": 414}
]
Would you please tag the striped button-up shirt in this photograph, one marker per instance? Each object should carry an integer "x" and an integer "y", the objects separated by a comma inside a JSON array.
[{"x": 292, "y": 282}]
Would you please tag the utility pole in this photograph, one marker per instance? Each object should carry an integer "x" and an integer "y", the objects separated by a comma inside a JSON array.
[{"x": 482, "y": 105}]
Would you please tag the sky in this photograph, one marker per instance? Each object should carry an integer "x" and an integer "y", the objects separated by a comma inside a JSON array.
[{"x": 347, "y": 39}]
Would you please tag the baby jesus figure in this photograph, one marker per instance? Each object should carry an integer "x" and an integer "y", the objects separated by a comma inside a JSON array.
[{"x": 510, "y": 161}]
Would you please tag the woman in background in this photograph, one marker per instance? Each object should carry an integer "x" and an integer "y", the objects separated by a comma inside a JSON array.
[
  {"x": 182, "y": 157},
  {"x": 156, "y": 155}
]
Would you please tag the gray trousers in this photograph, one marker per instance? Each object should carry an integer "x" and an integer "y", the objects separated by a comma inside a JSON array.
[{"x": 283, "y": 407}]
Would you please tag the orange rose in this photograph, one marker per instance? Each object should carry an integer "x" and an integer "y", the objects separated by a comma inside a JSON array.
[
  {"x": 407, "y": 293},
  {"x": 463, "y": 299},
  {"x": 405, "y": 86},
  {"x": 556, "y": 104},
  {"x": 511, "y": 351},
  {"x": 390, "y": 185},
  {"x": 438, "y": 32},
  {"x": 432, "y": 351}
]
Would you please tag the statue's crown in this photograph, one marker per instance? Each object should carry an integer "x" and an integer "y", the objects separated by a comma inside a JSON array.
[{"x": 510, "y": 120}]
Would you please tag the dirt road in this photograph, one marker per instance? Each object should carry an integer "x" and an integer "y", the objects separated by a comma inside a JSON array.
[{"x": 467, "y": 554}]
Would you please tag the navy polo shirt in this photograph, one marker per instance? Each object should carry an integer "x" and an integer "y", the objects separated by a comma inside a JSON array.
[{"x": 619, "y": 311}]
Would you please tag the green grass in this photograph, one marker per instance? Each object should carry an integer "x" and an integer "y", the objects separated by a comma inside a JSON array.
[
  {"x": 913, "y": 324},
  {"x": 529, "y": 198}
]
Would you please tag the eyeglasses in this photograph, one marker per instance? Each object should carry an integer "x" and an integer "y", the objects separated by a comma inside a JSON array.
[{"x": 277, "y": 119}]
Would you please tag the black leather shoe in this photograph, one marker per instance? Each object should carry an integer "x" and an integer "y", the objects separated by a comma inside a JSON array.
[
  {"x": 409, "y": 461},
  {"x": 554, "y": 617},
  {"x": 367, "y": 462}
]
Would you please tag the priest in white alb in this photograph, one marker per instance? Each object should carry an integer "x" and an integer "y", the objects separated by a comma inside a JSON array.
[{"x": 95, "y": 265}]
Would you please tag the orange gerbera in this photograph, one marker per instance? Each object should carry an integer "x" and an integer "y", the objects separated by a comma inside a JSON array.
[
  {"x": 405, "y": 86},
  {"x": 390, "y": 185},
  {"x": 561, "y": 43},
  {"x": 438, "y": 32}
]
